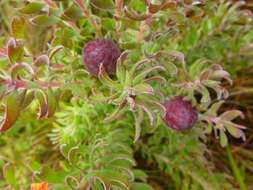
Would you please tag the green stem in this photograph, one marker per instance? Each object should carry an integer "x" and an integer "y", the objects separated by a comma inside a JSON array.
[{"x": 236, "y": 171}]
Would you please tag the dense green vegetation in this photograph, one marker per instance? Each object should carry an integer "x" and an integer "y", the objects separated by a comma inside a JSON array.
[{"x": 66, "y": 127}]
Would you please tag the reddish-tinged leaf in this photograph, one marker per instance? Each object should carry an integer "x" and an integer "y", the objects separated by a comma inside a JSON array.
[
  {"x": 179, "y": 56},
  {"x": 103, "y": 4},
  {"x": 47, "y": 103},
  {"x": 235, "y": 132},
  {"x": 219, "y": 74},
  {"x": 15, "y": 50},
  {"x": 79, "y": 3},
  {"x": 119, "y": 8},
  {"x": 19, "y": 66},
  {"x": 231, "y": 114},
  {"x": 168, "y": 5},
  {"x": 41, "y": 96},
  {"x": 134, "y": 16},
  {"x": 11, "y": 111},
  {"x": 41, "y": 60},
  {"x": 3, "y": 52},
  {"x": 153, "y": 8}
]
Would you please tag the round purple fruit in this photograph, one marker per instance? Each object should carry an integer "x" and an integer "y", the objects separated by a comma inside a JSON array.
[
  {"x": 180, "y": 115},
  {"x": 100, "y": 51}
]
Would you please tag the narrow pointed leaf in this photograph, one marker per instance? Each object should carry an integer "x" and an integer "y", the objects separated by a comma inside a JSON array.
[
  {"x": 32, "y": 8},
  {"x": 51, "y": 103},
  {"x": 42, "y": 99},
  {"x": 9, "y": 175},
  {"x": 231, "y": 115},
  {"x": 223, "y": 139},
  {"x": 44, "y": 20}
]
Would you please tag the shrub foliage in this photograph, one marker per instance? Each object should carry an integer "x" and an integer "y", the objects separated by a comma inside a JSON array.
[{"x": 66, "y": 127}]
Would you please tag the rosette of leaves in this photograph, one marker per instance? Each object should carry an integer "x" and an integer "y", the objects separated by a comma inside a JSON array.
[
  {"x": 202, "y": 82},
  {"x": 220, "y": 124},
  {"x": 132, "y": 90}
]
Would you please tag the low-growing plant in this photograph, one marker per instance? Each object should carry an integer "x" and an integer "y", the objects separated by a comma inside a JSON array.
[{"x": 89, "y": 89}]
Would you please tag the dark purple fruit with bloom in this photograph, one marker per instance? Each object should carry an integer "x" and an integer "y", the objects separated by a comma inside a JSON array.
[
  {"x": 101, "y": 51},
  {"x": 180, "y": 115}
]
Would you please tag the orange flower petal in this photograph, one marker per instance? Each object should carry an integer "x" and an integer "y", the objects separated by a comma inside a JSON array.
[{"x": 39, "y": 186}]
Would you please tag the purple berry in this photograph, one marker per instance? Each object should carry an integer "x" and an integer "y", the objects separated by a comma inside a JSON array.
[
  {"x": 101, "y": 51},
  {"x": 180, "y": 115}
]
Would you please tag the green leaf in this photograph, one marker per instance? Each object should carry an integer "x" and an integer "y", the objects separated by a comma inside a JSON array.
[
  {"x": 209, "y": 128},
  {"x": 118, "y": 112},
  {"x": 235, "y": 132},
  {"x": 9, "y": 175},
  {"x": 54, "y": 50},
  {"x": 223, "y": 138},
  {"x": 143, "y": 74},
  {"x": 51, "y": 176},
  {"x": 206, "y": 99},
  {"x": 28, "y": 100},
  {"x": 120, "y": 69},
  {"x": 45, "y": 20},
  {"x": 107, "y": 5},
  {"x": 139, "y": 174},
  {"x": 137, "y": 127},
  {"x": 51, "y": 103},
  {"x": 105, "y": 79},
  {"x": 3, "y": 90},
  {"x": 73, "y": 13},
  {"x": 110, "y": 176},
  {"x": 108, "y": 23},
  {"x": 140, "y": 186},
  {"x": 18, "y": 27},
  {"x": 220, "y": 74},
  {"x": 143, "y": 88},
  {"x": 214, "y": 108},
  {"x": 32, "y": 8}
]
